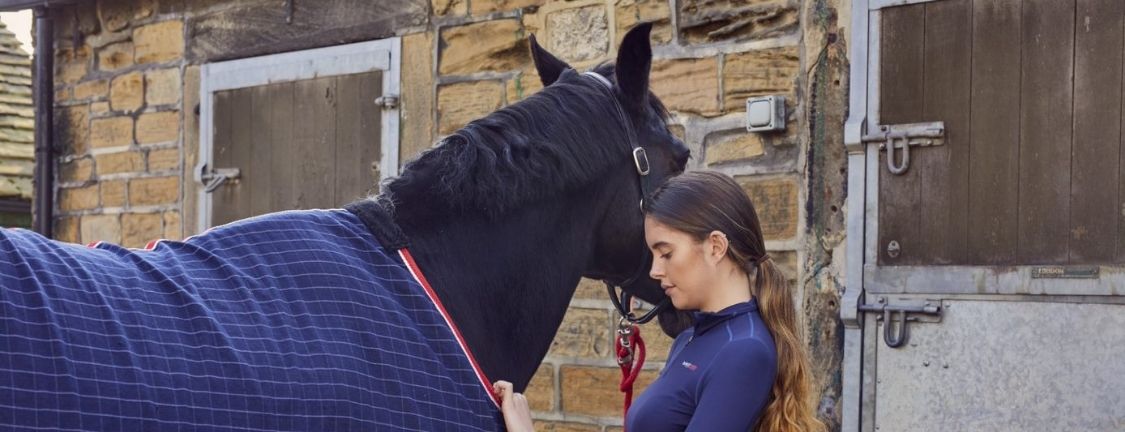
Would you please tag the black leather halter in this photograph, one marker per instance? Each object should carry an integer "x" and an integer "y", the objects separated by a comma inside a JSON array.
[{"x": 623, "y": 302}]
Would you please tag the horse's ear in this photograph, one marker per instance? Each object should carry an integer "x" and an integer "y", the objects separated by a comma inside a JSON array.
[
  {"x": 548, "y": 66},
  {"x": 634, "y": 58}
]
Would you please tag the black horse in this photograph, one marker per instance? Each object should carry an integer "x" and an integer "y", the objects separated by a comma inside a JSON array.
[{"x": 292, "y": 320}]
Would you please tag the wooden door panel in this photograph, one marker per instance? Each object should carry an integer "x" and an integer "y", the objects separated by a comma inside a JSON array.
[
  {"x": 944, "y": 170},
  {"x": 994, "y": 132},
  {"x": 1097, "y": 131},
  {"x": 1030, "y": 93},
  {"x": 314, "y": 134},
  {"x": 259, "y": 171},
  {"x": 901, "y": 84},
  {"x": 358, "y": 128},
  {"x": 282, "y": 146},
  {"x": 298, "y": 145},
  {"x": 225, "y": 199},
  {"x": 1046, "y": 124}
]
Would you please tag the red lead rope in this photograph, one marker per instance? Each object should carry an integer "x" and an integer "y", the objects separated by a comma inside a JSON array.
[{"x": 631, "y": 357}]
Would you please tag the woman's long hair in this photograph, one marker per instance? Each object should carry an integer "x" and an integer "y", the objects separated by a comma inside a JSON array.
[{"x": 700, "y": 202}]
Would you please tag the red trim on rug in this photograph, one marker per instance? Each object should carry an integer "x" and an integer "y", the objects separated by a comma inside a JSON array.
[{"x": 421, "y": 278}]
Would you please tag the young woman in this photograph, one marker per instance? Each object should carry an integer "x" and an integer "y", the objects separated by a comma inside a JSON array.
[{"x": 742, "y": 365}]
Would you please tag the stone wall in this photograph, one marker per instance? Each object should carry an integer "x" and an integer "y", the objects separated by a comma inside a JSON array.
[
  {"x": 128, "y": 77},
  {"x": 118, "y": 118}
]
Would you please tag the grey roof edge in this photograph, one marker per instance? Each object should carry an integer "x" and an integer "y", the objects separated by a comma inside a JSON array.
[{"x": 14, "y": 5}]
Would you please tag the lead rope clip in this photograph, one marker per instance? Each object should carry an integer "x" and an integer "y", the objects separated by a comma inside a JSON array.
[{"x": 630, "y": 357}]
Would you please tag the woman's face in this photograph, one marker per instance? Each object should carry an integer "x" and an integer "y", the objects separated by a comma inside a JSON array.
[{"x": 683, "y": 265}]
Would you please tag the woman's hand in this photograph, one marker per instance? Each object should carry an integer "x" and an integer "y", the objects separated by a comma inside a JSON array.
[{"x": 517, "y": 414}]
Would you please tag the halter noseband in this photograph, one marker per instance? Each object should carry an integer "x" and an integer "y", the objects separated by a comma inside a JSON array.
[{"x": 641, "y": 163}]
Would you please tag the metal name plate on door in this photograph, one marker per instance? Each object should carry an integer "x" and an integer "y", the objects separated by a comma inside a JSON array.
[{"x": 1070, "y": 272}]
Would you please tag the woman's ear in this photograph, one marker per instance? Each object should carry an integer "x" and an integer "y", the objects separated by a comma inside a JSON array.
[{"x": 717, "y": 246}]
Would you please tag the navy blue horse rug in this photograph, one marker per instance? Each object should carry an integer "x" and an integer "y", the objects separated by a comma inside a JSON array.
[{"x": 296, "y": 321}]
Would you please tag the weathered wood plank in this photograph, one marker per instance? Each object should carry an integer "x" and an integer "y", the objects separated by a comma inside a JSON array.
[
  {"x": 994, "y": 134},
  {"x": 1097, "y": 131},
  {"x": 262, "y": 133},
  {"x": 19, "y": 168},
  {"x": 242, "y": 153},
  {"x": 902, "y": 73},
  {"x": 944, "y": 170},
  {"x": 283, "y": 147},
  {"x": 315, "y": 137},
  {"x": 347, "y": 146},
  {"x": 224, "y": 199},
  {"x": 259, "y": 27},
  {"x": 16, "y": 187},
  {"x": 1046, "y": 123},
  {"x": 357, "y": 140},
  {"x": 17, "y": 151},
  {"x": 373, "y": 132}
]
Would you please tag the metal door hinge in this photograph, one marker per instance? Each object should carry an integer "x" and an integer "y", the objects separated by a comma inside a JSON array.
[
  {"x": 387, "y": 102},
  {"x": 904, "y": 136},
  {"x": 901, "y": 314},
  {"x": 213, "y": 178}
]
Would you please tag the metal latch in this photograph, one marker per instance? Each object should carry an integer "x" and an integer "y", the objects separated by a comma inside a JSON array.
[
  {"x": 928, "y": 311},
  {"x": 903, "y": 136},
  {"x": 212, "y": 179},
  {"x": 387, "y": 102}
]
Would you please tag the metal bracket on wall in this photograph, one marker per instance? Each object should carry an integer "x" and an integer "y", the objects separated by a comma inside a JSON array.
[
  {"x": 387, "y": 101},
  {"x": 904, "y": 136},
  {"x": 212, "y": 179},
  {"x": 901, "y": 314}
]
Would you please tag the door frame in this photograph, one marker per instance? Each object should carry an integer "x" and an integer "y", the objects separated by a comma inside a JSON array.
[
  {"x": 851, "y": 370},
  {"x": 382, "y": 55},
  {"x": 864, "y": 275}
]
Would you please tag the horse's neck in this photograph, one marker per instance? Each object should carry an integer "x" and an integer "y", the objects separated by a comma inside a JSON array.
[{"x": 507, "y": 283}]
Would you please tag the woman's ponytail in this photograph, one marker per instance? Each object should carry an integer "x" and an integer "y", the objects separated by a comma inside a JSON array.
[{"x": 790, "y": 408}]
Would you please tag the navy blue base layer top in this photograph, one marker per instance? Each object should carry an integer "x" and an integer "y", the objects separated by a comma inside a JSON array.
[
  {"x": 718, "y": 376},
  {"x": 294, "y": 321}
]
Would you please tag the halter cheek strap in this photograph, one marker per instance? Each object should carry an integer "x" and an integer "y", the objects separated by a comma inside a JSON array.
[
  {"x": 600, "y": 78},
  {"x": 640, "y": 156},
  {"x": 640, "y": 160},
  {"x": 630, "y": 347}
]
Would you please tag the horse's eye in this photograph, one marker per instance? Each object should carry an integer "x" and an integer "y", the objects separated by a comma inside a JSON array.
[{"x": 682, "y": 156}]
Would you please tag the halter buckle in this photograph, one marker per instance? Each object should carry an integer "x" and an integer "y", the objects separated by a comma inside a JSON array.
[
  {"x": 625, "y": 327},
  {"x": 625, "y": 330},
  {"x": 640, "y": 159}
]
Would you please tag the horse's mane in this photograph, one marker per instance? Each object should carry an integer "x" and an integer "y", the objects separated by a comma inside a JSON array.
[{"x": 557, "y": 140}]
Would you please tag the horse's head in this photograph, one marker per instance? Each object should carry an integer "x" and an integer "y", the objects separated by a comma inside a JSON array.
[{"x": 621, "y": 255}]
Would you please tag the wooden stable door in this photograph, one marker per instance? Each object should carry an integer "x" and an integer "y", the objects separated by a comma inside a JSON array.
[
  {"x": 985, "y": 280},
  {"x": 1030, "y": 93},
  {"x": 304, "y": 144}
]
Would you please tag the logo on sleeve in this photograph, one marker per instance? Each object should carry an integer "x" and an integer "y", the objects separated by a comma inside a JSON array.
[{"x": 689, "y": 366}]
